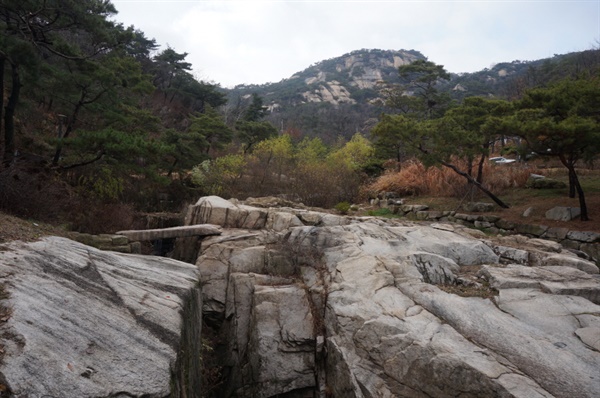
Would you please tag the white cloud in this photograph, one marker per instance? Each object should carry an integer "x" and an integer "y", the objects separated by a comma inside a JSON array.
[{"x": 232, "y": 42}]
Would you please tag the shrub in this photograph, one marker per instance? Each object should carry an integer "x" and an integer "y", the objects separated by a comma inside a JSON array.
[
  {"x": 545, "y": 183},
  {"x": 220, "y": 176},
  {"x": 413, "y": 179},
  {"x": 343, "y": 207},
  {"x": 383, "y": 212},
  {"x": 102, "y": 184}
]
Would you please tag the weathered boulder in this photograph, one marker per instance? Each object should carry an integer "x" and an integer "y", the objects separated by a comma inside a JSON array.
[
  {"x": 378, "y": 296},
  {"x": 550, "y": 279},
  {"x": 540, "y": 253},
  {"x": 584, "y": 236},
  {"x": 479, "y": 207},
  {"x": 545, "y": 183},
  {"x": 218, "y": 211},
  {"x": 89, "y": 323},
  {"x": 413, "y": 208},
  {"x": 281, "y": 322},
  {"x": 562, "y": 213},
  {"x": 531, "y": 230}
]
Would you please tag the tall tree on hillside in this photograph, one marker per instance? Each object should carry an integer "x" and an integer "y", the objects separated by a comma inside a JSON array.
[
  {"x": 563, "y": 121},
  {"x": 437, "y": 143},
  {"x": 103, "y": 86},
  {"x": 251, "y": 130},
  {"x": 172, "y": 76},
  {"x": 469, "y": 131},
  {"x": 141, "y": 48},
  {"x": 251, "y": 133},
  {"x": 211, "y": 126},
  {"x": 256, "y": 110},
  {"x": 417, "y": 98},
  {"x": 169, "y": 66},
  {"x": 207, "y": 131},
  {"x": 418, "y": 95}
]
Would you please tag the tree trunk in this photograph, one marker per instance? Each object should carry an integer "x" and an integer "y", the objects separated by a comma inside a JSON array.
[
  {"x": 575, "y": 186},
  {"x": 470, "y": 167},
  {"x": 480, "y": 166},
  {"x": 99, "y": 156},
  {"x": 582, "y": 204},
  {"x": 572, "y": 178},
  {"x": 68, "y": 130},
  {"x": 570, "y": 165},
  {"x": 498, "y": 201},
  {"x": 172, "y": 168},
  {"x": 9, "y": 115},
  {"x": 2, "y": 64}
]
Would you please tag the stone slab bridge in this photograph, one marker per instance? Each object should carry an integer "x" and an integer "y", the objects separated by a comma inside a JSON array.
[{"x": 173, "y": 232}]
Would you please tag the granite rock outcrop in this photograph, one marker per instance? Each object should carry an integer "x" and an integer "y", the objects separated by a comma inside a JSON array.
[
  {"x": 364, "y": 307},
  {"x": 78, "y": 322}
]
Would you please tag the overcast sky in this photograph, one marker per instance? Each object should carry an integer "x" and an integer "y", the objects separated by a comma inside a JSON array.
[{"x": 234, "y": 42}]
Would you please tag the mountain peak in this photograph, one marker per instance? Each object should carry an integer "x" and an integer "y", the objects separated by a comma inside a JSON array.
[{"x": 361, "y": 68}]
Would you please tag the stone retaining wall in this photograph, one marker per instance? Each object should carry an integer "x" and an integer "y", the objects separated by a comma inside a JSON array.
[
  {"x": 116, "y": 243},
  {"x": 587, "y": 242}
]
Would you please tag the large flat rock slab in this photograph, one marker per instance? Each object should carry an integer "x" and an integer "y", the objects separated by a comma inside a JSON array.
[
  {"x": 87, "y": 323},
  {"x": 551, "y": 279}
]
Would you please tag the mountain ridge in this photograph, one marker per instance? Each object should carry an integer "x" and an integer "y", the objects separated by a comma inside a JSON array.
[{"x": 341, "y": 96}]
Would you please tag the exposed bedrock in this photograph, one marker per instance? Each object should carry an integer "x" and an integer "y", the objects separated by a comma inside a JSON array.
[
  {"x": 78, "y": 322},
  {"x": 302, "y": 304},
  {"x": 310, "y": 303}
]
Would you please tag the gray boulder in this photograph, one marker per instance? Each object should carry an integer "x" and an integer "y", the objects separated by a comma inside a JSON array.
[
  {"x": 545, "y": 183},
  {"x": 561, "y": 213},
  {"x": 87, "y": 323},
  {"x": 478, "y": 207}
]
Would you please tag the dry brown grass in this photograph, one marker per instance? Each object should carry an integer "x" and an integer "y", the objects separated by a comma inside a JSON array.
[
  {"x": 14, "y": 228},
  {"x": 419, "y": 186},
  {"x": 414, "y": 179}
]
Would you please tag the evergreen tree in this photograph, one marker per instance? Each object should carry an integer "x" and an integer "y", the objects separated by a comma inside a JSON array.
[
  {"x": 418, "y": 96},
  {"x": 256, "y": 110},
  {"x": 32, "y": 29},
  {"x": 251, "y": 130},
  {"x": 563, "y": 121}
]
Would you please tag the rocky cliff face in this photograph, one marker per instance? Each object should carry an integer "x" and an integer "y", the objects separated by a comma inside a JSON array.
[
  {"x": 313, "y": 303},
  {"x": 358, "y": 70}
]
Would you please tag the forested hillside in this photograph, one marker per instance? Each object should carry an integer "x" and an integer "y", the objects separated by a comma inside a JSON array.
[
  {"x": 99, "y": 121},
  {"x": 93, "y": 109},
  {"x": 346, "y": 94}
]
